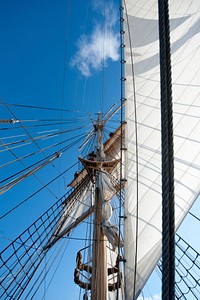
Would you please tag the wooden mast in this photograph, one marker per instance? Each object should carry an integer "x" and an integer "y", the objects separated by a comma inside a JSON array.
[
  {"x": 98, "y": 282},
  {"x": 99, "y": 262}
]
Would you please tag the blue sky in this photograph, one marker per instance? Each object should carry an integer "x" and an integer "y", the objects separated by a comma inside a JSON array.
[
  {"x": 43, "y": 62},
  {"x": 57, "y": 54},
  {"x": 53, "y": 54},
  {"x": 39, "y": 38}
]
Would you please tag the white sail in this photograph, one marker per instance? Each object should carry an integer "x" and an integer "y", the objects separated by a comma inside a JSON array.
[
  {"x": 143, "y": 136},
  {"x": 77, "y": 207}
]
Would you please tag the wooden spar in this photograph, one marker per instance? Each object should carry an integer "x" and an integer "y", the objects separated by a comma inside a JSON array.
[
  {"x": 69, "y": 228},
  {"x": 110, "y": 147},
  {"x": 99, "y": 261},
  {"x": 101, "y": 160}
]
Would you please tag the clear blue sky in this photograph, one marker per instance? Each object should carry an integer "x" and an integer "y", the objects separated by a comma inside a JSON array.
[
  {"x": 53, "y": 54},
  {"x": 50, "y": 57}
]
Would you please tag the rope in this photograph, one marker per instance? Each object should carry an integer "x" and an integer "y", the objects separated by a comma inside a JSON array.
[
  {"x": 24, "y": 128},
  {"x": 187, "y": 283},
  {"x": 122, "y": 62},
  {"x": 40, "y": 137},
  {"x": 31, "y": 196},
  {"x": 21, "y": 259},
  {"x": 136, "y": 157},
  {"x": 168, "y": 247},
  {"x": 38, "y": 125},
  {"x": 15, "y": 181},
  {"x": 45, "y": 148},
  {"x": 45, "y": 108}
]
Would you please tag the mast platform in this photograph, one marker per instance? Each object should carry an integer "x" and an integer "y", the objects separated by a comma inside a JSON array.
[{"x": 96, "y": 165}]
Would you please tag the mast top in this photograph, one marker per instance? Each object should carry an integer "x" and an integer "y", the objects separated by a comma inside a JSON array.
[{"x": 100, "y": 154}]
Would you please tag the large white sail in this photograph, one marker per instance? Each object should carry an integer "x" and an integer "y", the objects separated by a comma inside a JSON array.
[{"x": 143, "y": 136}]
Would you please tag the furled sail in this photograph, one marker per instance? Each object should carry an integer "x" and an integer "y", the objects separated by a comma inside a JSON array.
[
  {"x": 107, "y": 192},
  {"x": 80, "y": 203},
  {"x": 143, "y": 210},
  {"x": 77, "y": 207}
]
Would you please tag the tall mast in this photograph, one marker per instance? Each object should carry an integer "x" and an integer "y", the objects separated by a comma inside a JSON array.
[
  {"x": 99, "y": 262},
  {"x": 99, "y": 164}
]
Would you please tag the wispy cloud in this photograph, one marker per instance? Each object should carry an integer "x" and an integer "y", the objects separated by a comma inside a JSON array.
[
  {"x": 95, "y": 50},
  {"x": 154, "y": 297}
]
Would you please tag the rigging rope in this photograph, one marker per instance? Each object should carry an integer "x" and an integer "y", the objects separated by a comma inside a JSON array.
[
  {"x": 15, "y": 181},
  {"x": 41, "y": 162},
  {"x": 46, "y": 136},
  {"x": 34, "y": 288},
  {"x": 136, "y": 151},
  {"x": 45, "y": 108},
  {"x": 24, "y": 128},
  {"x": 31, "y": 196},
  {"x": 122, "y": 143},
  {"x": 45, "y": 148},
  {"x": 21, "y": 259},
  {"x": 168, "y": 227},
  {"x": 56, "y": 268},
  {"x": 187, "y": 280}
]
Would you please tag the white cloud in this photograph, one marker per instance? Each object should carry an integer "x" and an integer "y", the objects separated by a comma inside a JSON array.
[{"x": 95, "y": 50}]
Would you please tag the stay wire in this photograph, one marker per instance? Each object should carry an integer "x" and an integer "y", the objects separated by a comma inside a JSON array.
[
  {"x": 102, "y": 59},
  {"x": 46, "y": 136},
  {"x": 121, "y": 30},
  {"x": 39, "y": 180},
  {"x": 46, "y": 108},
  {"x": 42, "y": 226},
  {"x": 23, "y": 127},
  {"x": 37, "y": 125},
  {"x": 63, "y": 150},
  {"x": 49, "y": 268},
  {"x": 194, "y": 216},
  {"x": 35, "y": 193},
  {"x": 53, "y": 275},
  {"x": 27, "y": 168},
  {"x": 137, "y": 154},
  {"x": 45, "y": 148},
  {"x": 64, "y": 74}
]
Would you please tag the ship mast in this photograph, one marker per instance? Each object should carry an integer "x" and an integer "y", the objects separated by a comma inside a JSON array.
[
  {"x": 96, "y": 164},
  {"x": 99, "y": 262}
]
